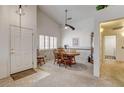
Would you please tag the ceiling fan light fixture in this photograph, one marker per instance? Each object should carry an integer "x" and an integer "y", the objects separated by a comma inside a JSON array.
[
  {"x": 70, "y": 26},
  {"x": 66, "y": 27},
  {"x": 66, "y": 24},
  {"x": 69, "y": 18},
  {"x": 20, "y": 10}
]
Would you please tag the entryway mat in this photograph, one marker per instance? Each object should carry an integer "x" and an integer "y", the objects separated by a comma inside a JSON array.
[{"x": 23, "y": 74}]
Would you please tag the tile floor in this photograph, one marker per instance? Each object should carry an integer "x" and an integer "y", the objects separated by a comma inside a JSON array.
[{"x": 114, "y": 72}]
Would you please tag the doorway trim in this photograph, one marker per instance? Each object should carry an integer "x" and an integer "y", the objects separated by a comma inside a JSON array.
[
  {"x": 98, "y": 29},
  {"x": 10, "y": 29}
]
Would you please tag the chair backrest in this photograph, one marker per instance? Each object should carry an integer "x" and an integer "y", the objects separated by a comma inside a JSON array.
[
  {"x": 60, "y": 50},
  {"x": 63, "y": 56},
  {"x": 59, "y": 54}
]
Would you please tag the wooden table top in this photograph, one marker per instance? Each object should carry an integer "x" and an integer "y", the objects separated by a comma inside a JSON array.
[{"x": 71, "y": 53}]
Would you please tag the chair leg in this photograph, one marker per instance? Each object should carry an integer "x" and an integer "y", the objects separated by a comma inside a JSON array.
[
  {"x": 65, "y": 64},
  {"x": 70, "y": 64},
  {"x": 74, "y": 60},
  {"x": 54, "y": 61},
  {"x": 59, "y": 63},
  {"x": 40, "y": 64},
  {"x": 43, "y": 61}
]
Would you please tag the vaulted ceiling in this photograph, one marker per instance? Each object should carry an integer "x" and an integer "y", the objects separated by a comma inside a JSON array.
[{"x": 77, "y": 12}]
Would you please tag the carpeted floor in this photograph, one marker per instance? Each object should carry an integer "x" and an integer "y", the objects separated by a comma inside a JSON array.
[
  {"x": 79, "y": 75},
  {"x": 27, "y": 81},
  {"x": 51, "y": 75}
]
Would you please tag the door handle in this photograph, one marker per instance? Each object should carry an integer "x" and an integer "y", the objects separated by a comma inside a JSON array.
[{"x": 12, "y": 51}]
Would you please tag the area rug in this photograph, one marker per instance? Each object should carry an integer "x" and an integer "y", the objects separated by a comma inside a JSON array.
[
  {"x": 23, "y": 74},
  {"x": 78, "y": 67},
  {"x": 30, "y": 80}
]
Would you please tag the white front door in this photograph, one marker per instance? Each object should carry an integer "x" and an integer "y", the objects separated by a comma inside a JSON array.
[
  {"x": 21, "y": 49},
  {"x": 110, "y": 45},
  {"x": 26, "y": 49}
]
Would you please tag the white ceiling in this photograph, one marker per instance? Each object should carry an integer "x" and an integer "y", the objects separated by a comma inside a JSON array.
[
  {"x": 77, "y": 12},
  {"x": 113, "y": 23}
]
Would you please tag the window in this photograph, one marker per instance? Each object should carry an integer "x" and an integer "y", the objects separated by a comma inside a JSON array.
[
  {"x": 47, "y": 42},
  {"x": 41, "y": 42},
  {"x": 51, "y": 42},
  {"x": 55, "y": 42}
]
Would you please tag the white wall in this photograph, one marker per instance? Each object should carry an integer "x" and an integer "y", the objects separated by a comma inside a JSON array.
[
  {"x": 82, "y": 31},
  {"x": 9, "y": 17},
  {"x": 4, "y": 42},
  {"x": 48, "y": 26},
  {"x": 120, "y": 44},
  {"x": 112, "y": 12}
]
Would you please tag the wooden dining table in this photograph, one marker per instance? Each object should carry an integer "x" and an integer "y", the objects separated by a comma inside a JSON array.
[{"x": 71, "y": 56}]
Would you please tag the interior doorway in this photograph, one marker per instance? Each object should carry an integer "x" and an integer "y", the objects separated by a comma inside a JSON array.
[
  {"x": 112, "y": 50},
  {"x": 109, "y": 50},
  {"x": 21, "y": 49}
]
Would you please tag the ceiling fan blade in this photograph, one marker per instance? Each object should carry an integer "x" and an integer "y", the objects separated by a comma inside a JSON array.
[
  {"x": 69, "y": 18},
  {"x": 70, "y": 26}
]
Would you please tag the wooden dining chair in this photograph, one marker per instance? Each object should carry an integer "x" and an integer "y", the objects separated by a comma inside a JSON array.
[
  {"x": 57, "y": 57},
  {"x": 61, "y": 50},
  {"x": 40, "y": 59},
  {"x": 54, "y": 55},
  {"x": 64, "y": 60},
  {"x": 73, "y": 57}
]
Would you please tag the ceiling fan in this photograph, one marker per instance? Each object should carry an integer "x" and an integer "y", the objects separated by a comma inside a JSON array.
[{"x": 66, "y": 19}]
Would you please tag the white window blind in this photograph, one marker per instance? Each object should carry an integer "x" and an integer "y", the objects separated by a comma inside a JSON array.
[
  {"x": 51, "y": 42},
  {"x": 41, "y": 42},
  {"x": 47, "y": 42},
  {"x": 55, "y": 42}
]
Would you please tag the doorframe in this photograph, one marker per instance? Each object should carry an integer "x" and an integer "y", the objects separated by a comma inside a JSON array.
[
  {"x": 98, "y": 29},
  {"x": 103, "y": 44},
  {"x": 9, "y": 64}
]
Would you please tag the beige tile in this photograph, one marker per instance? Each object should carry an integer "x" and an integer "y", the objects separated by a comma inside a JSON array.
[{"x": 113, "y": 71}]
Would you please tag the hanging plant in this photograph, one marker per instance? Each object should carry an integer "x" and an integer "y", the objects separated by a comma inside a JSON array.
[{"x": 100, "y": 7}]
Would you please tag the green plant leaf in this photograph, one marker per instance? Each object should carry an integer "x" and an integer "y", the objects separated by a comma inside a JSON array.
[{"x": 100, "y": 7}]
